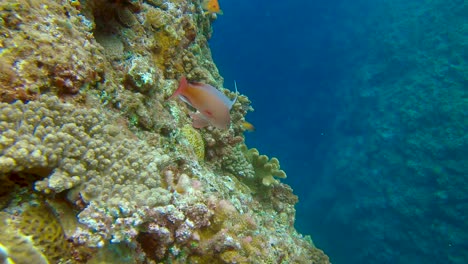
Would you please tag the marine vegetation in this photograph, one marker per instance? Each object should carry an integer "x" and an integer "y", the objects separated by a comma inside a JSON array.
[{"x": 97, "y": 166}]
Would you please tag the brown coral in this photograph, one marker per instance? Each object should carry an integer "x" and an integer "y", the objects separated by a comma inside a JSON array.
[{"x": 45, "y": 50}]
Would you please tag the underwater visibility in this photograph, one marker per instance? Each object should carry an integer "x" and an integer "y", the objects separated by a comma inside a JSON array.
[
  {"x": 365, "y": 103},
  {"x": 216, "y": 131}
]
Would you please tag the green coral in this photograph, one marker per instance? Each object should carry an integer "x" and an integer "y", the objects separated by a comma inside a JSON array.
[
  {"x": 250, "y": 165},
  {"x": 237, "y": 163},
  {"x": 265, "y": 168}
]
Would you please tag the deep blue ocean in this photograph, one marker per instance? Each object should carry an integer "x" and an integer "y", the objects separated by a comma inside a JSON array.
[{"x": 365, "y": 104}]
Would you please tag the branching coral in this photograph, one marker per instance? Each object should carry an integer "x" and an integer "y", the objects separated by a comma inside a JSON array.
[{"x": 265, "y": 169}]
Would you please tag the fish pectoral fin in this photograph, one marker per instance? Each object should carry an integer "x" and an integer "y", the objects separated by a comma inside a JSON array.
[{"x": 198, "y": 120}]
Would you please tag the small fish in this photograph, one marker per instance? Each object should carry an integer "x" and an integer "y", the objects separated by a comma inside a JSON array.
[
  {"x": 248, "y": 126},
  {"x": 212, "y": 6},
  {"x": 213, "y": 106}
]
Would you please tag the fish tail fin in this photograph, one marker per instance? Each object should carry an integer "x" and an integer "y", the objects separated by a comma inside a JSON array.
[{"x": 183, "y": 83}]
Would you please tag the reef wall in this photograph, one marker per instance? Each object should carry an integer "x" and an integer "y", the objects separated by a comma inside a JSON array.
[{"x": 98, "y": 167}]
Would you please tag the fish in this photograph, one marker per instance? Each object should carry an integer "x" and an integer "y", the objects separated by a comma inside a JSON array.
[
  {"x": 247, "y": 126},
  {"x": 211, "y": 6},
  {"x": 213, "y": 107}
]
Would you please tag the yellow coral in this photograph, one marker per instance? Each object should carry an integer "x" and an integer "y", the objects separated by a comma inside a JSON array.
[
  {"x": 265, "y": 168},
  {"x": 43, "y": 226},
  {"x": 232, "y": 256},
  {"x": 196, "y": 141},
  {"x": 36, "y": 236}
]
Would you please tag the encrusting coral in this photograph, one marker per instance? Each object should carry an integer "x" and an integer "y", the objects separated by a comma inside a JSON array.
[
  {"x": 87, "y": 136},
  {"x": 75, "y": 148},
  {"x": 46, "y": 46},
  {"x": 195, "y": 140},
  {"x": 35, "y": 234}
]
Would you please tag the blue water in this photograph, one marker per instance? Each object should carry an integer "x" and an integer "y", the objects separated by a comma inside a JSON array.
[
  {"x": 284, "y": 62},
  {"x": 365, "y": 104}
]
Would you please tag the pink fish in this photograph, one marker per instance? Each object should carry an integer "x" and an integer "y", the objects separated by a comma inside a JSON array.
[{"x": 213, "y": 106}]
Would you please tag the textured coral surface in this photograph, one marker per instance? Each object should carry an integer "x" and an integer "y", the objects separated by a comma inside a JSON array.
[{"x": 97, "y": 167}]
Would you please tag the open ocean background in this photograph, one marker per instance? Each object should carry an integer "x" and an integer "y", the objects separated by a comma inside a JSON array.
[{"x": 365, "y": 104}]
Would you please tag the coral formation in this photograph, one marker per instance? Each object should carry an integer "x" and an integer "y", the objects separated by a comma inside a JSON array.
[
  {"x": 88, "y": 138},
  {"x": 195, "y": 140},
  {"x": 35, "y": 234},
  {"x": 130, "y": 192},
  {"x": 46, "y": 46},
  {"x": 265, "y": 168}
]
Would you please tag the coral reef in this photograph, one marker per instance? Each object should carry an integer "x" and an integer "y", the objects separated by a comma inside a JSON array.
[
  {"x": 46, "y": 46},
  {"x": 96, "y": 167},
  {"x": 35, "y": 235},
  {"x": 195, "y": 141},
  {"x": 130, "y": 192},
  {"x": 265, "y": 168}
]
